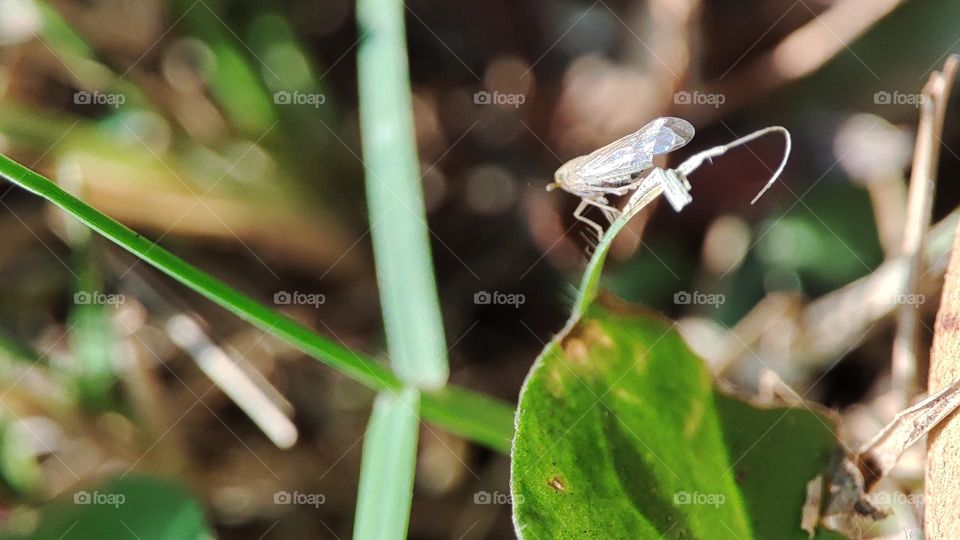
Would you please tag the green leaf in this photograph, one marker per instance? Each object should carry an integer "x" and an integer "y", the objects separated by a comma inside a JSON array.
[
  {"x": 386, "y": 472},
  {"x": 622, "y": 434},
  {"x": 131, "y": 507}
]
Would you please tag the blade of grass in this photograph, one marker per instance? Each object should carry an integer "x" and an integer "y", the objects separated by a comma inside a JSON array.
[
  {"x": 91, "y": 332},
  {"x": 272, "y": 38},
  {"x": 34, "y": 128},
  {"x": 398, "y": 228},
  {"x": 401, "y": 249},
  {"x": 80, "y": 59},
  {"x": 311, "y": 147},
  {"x": 92, "y": 373},
  {"x": 389, "y": 460},
  {"x": 481, "y": 419},
  {"x": 233, "y": 79}
]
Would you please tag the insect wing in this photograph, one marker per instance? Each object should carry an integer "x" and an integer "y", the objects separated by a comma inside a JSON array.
[{"x": 635, "y": 152}]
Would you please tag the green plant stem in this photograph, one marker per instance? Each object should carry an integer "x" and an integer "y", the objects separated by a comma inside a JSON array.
[
  {"x": 398, "y": 224},
  {"x": 389, "y": 461},
  {"x": 484, "y": 420},
  {"x": 401, "y": 249}
]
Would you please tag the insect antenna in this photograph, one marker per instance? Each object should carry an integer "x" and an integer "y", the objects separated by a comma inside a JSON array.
[{"x": 696, "y": 160}]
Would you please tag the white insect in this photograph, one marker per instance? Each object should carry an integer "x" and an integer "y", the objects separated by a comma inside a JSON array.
[{"x": 616, "y": 169}]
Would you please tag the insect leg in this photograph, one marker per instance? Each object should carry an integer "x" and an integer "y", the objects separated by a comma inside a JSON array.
[
  {"x": 578, "y": 213},
  {"x": 609, "y": 212}
]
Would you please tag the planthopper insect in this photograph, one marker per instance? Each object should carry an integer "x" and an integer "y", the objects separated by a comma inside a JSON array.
[{"x": 617, "y": 168}]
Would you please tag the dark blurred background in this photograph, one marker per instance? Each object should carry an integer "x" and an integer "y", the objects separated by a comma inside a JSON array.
[{"x": 228, "y": 132}]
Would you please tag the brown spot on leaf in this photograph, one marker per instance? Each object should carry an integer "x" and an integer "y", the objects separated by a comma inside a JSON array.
[
  {"x": 593, "y": 333},
  {"x": 583, "y": 338},
  {"x": 575, "y": 349},
  {"x": 617, "y": 306},
  {"x": 739, "y": 475},
  {"x": 555, "y": 382},
  {"x": 694, "y": 418},
  {"x": 557, "y": 484}
]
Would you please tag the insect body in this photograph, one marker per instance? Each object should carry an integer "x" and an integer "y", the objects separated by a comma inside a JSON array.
[{"x": 616, "y": 168}]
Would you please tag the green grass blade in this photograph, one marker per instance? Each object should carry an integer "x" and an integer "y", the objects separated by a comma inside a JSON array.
[
  {"x": 398, "y": 227},
  {"x": 233, "y": 79},
  {"x": 80, "y": 59},
  {"x": 457, "y": 410},
  {"x": 480, "y": 418},
  {"x": 91, "y": 329},
  {"x": 389, "y": 460},
  {"x": 401, "y": 248},
  {"x": 369, "y": 373}
]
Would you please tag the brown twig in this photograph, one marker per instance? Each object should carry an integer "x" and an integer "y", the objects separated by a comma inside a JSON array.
[
  {"x": 943, "y": 466},
  {"x": 829, "y": 326},
  {"x": 801, "y": 53},
  {"x": 920, "y": 205}
]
